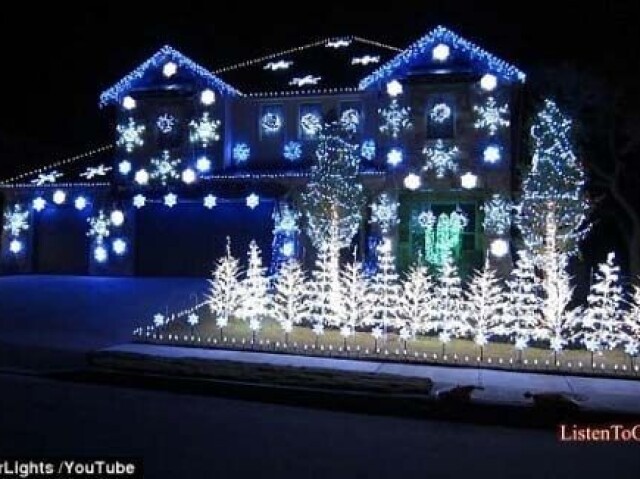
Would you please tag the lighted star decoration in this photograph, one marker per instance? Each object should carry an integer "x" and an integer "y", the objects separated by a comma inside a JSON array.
[
  {"x": 279, "y": 65},
  {"x": 556, "y": 344},
  {"x": 384, "y": 213},
  {"x": 204, "y": 130},
  {"x": 631, "y": 348},
  {"x": 440, "y": 112},
  {"x": 287, "y": 325},
  {"x": 350, "y": 120},
  {"x": 39, "y": 203},
  {"x": 139, "y": 200},
  {"x": 254, "y": 324},
  {"x": 130, "y": 135},
  {"x": 491, "y": 116},
  {"x": 305, "y": 80},
  {"x": 170, "y": 199},
  {"x": 346, "y": 331},
  {"x": 405, "y": 334},
  {"x": 99, "y": 227},
  {"x": 158, "y": 320},
  {"x": 440, "y": 158},
  {"x": 193, "y": 319},
  {"x": 318, "y": 329},
  {"x": 165, "y": 123},
  {"x": 365, "y": 60},
  {"x": 164, "y": 168},
  {"x": 394, "y": 119},
  {"x": 310, "y": 124},
  {"x": 44, "y": 178},
  {"x": 253, "y": 200},
  {"x": 93, "y": 171},
  {"x": 497, "y": 215},
  {"x": 521, "y": 343},
  {"x": 444, "y": 337},
  {"x": 210, "y": 201},
  {"x": 377, "y": 333},
  {"x": 16, "y": 220}
]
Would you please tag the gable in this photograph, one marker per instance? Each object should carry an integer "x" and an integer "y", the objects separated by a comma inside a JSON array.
[{"x": 463, "y": 55}]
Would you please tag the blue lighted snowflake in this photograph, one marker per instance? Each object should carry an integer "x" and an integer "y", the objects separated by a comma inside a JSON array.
[
  {"x": 497, "y": 215},
  {"x": 241, "y": 152},
  {"x": 165, "y": 123},
  {"x": 271, "y": 123},
  {"x": 292, "y": 151},
  {"x": 368, "y": 149},
  {"x": 16, "y": 220}
]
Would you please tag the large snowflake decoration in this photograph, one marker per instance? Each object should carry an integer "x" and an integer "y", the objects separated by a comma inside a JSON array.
[
  {"x": 350, "y": 120},
  {"x": 440, "y": 158},
  {"x": 440, "y": 112},
  {"x": 16, "y": 221},
  {"x": 395, "y": 118},
  {"x": 310, "y": 124},
  {"x": 99, "y": 227},
  {"x": 497, "y": 216},
  {"x": 292, "y": 151},
  {"x": 164, "y": 168},
  {"x": 384, "y": 213},
  {"x": 368, "y": 149},
  {"x": 93, "y": 171},
  {"x": 285, "y": 220},
  {"x": 491, "y": 116},
  {"x": 44, "y": 178},
  {"x": 166, "y": 123},
  {"x": 271, "y": 123},
  {"x": 130, "y": 135},
  {"x": 204, "y": 130}
]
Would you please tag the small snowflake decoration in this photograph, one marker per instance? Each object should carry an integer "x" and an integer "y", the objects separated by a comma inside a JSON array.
[
  {"x": 521, "y": 343},
  {"x": 440, "y": 158},
  {"x": 93, "y": 171},
  {"x": 241, "y": 152},
  {"x": 491, "y": 116},
  {"x": 557, "y": 344},
  {"x": 165, "y": 123},
  {"x": 368, "y": 149},
  {"x": 292, "y": 151},
  {"x": 99, "y": 227},
  {"x": 395, "y": 119},
  {"x": 204, "y": 130},
  {"x": 426, "y": 219},
  {"x": 253, "y": 200},
  {"x": 365, "y": 60},
  {"x": 279, "y": 65},
  {"x": 16, "y": 221},
  {"x": 440, "y": 112},
  {"x": 271, "y": 123},
  {"x": 139, "y": 200},
  {"x": 384, "y": 213},
  {"x": 254, "y": 324},
  {"x": 193, "y": 319},
  {"x": 350, "y": 120},
  {"x": 44, "y": 178},
  {"x": 210, "y": 201},
  {"x": 444, "y": 337},
  {"x": 164, "y": 168},
  {"x": 158, "y": 320},
  {"x": 377, "y": 333},
  {"x": 631, "y": 348},
  {"x": 406, "y": 334},
  {"x": 480, "y": 339},
  {"x": 310, "y": 124},
  {"x": 306, "y": 80},
  {"x": 318, "y": 329},
  {"x": 130, "y": 135},
  {"x": 346, "y": 331},
  {"x": 497, "y": 216},
  {"x": 340, "y": 43}
]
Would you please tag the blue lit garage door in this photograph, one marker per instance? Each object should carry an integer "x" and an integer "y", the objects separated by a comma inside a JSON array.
[
  {"x": 61, "y": 243},
  {"x": 187, "y": 239}
]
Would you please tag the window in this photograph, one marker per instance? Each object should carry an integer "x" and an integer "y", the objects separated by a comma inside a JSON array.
[
  {"x": 440, "y": 116},
  {"x": 309, "y": 121},
  {"x": 271, "y": 121},
  {"x": 351, "y": 116}
]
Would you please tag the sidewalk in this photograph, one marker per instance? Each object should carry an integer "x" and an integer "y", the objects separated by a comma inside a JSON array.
[{"x": 500, "y": 387}]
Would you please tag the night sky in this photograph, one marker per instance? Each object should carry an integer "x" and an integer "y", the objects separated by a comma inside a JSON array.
[{"x": 56, "y": 62}]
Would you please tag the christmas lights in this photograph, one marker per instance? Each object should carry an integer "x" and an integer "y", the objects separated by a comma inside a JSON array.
[
  {"x": 130, "y": 135},
  {"x": 440, "y": 158},
  {"x": 292, "y": 151},
  {"x": 384, "y": 213},
  {"x": 241, "y": 152},
  {"x": 491, "y": 116},
  {"x": 204, "y": 130}
]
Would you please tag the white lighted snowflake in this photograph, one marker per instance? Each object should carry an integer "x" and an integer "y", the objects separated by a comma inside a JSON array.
[
  {"x": 440, "y": 158},
  {"x": 384, "y": 213},
  {"x": 49, "y": 177},
  {"x": 241, "y": 152},
  {"x": 292, "y": 150},
  {"x": 350, "y": 120},
  {"x": 497, "y": 216},
  {"x": 130, "y": 135},
  {"x": 310, "y": 124},
  {"x": 341, "y": 43},
  {"x": 394, "y": 118},
  {"x": 193, "y": 319},
  {"x": 164, "y": 168},
  {"x": 253, "y": 200},
  {"x": 271, "y": 123},
  {"x": 16, "y": 220},
  {"x": 165, "y": 123},
  {"x": 377, "y": 333},
  {"x": 557, "y": 343},
  {"x": 368, "y": 149},
  {"x": 93, "y": 171},
  {"x": 521, "y": 343},
  {"x": 318, "y": 329},
  {"x": 440, "y": 112},
  {"x": 405, "y": 334},
  {"x": 305, "y": 80},
  {"x": 491, "y": 116},
  {"x": 139, "y": 200},
  {"x": 210, "y": 201},
  {"x": 346, "y": 331},
  {"x": 631, "y": 348},
  {"x": 204, "y": 130},
  {"x": 99, "y": 227},
  {"x": 365, "y": 60},
  {"x": 279, "y": 65},
  {"x": 427, "y": 219}
]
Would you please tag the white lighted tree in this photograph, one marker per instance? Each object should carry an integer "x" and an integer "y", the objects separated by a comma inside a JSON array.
[
  {"x": 600, "y": 327},
  {"x": 356, "y": 298},
  {"x": 416, "y": 301},
  {"x": 483, "y": 307},
  {"x": 448, "y": 307},
  {"x": 254, "y": 300},
  {"x": 289, "y": 305},
  {"x": 630, "y": 332},
  {"x": 224, "y": 293},
  {"x": 385, "y": 288}
]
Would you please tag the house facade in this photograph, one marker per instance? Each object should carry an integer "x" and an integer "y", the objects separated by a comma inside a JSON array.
[{"x": 203, "y": 155}]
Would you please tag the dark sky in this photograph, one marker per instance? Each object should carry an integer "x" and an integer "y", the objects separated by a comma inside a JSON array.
[{"x": 57, "y": 61}]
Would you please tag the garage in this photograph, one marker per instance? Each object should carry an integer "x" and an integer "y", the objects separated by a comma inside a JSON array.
[
  {"x": 61, "y": 242},
  {"x": 187, "y": 239}
]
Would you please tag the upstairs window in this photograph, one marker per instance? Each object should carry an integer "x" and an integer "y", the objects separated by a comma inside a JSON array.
[
  {"x": 271, "y": 121},
  {"x": 309, "y": 121},
  {"x": 440, "y": 116}
]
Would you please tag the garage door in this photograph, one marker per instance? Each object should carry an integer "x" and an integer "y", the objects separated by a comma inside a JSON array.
[
  {"x": 187, "y": 239},
  {"x": 61, "y": 242}
]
